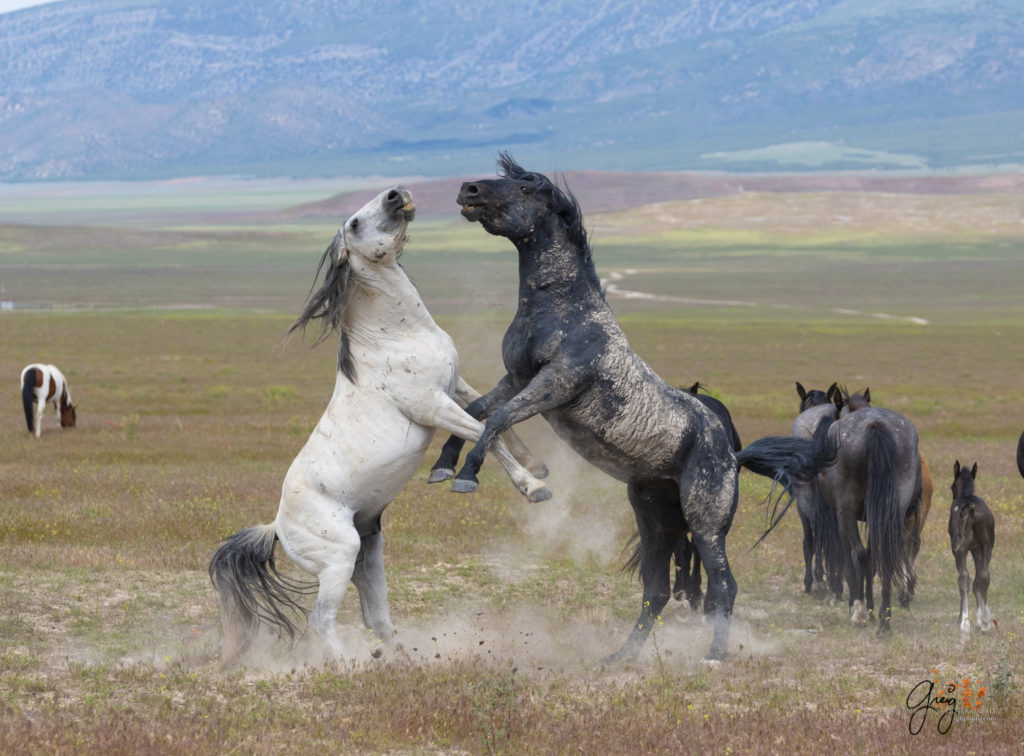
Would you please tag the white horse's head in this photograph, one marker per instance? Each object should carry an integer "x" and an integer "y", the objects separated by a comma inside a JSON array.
[
  {"x": 372, "y": 238},
  {"x": 375, "y": 234}
]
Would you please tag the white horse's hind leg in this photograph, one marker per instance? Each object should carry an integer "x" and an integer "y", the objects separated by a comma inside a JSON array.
[
  {"x": 368, "y": 578},
  {"x": 328, "y": 551}
]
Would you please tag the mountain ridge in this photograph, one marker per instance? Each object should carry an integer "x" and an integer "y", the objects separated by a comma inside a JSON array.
[{"x": 157, "y": 88}]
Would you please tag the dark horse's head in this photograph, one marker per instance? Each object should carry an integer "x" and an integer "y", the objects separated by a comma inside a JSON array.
[
  {"x": 518, "y": 203},
  {"x": 814, "y": 397}
]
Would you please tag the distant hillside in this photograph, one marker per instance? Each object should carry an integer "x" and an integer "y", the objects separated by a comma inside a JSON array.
[
  {"x": 600, "y": 192},
  {"x": 157, "y": 88}
]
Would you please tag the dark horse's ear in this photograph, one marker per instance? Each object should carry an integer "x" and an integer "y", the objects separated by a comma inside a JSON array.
[
  {"x": 694, "y": 388},
  {"x": 956, "y": 469},
  {"x": 867, "y": 394},
  {"x": 800, "y": 391},
  {"x": 974, "y": 471},
  {"x": 832, "y": 392}
]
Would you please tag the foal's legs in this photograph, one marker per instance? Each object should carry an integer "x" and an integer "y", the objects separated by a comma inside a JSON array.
[
  {"x": 964, "y": 583},
  {"x": 981, "y": 557}
]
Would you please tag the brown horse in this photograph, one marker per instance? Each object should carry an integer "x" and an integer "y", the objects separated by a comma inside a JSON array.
[{"x": 972, "y": 529}]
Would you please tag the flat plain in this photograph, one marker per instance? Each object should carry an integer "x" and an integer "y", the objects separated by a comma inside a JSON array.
[{"x": 166, "y": 310}]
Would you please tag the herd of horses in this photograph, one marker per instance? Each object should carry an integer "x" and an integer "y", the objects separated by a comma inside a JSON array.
[{"x": 566, "y": 359}]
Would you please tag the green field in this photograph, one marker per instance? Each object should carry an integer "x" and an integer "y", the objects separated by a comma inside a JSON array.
[{"x": 167, "y": 316}]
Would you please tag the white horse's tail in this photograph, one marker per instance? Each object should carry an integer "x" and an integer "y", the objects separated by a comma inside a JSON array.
[
  {"x": 252, "y": 592},
  {"x": 28, "y": 395}
]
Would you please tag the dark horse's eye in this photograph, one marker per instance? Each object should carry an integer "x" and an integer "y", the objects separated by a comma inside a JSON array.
[{"x": 526, "y": 189}]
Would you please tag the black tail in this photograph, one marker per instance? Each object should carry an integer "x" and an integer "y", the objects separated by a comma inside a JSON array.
[
  {"x": 826, "y": 533},
  {"x": 251, "y": 589},
  {"x": 1020, "y": 455},
  {"x": 788, "y": 460},
  {"x": 884, "y": 515},
  {"x": 28, "y": 389}
]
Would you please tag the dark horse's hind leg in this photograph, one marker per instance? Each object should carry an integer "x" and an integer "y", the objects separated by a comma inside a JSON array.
[
  {"x": 687, "y": 581},
  {"x": 656, "y": 513}
]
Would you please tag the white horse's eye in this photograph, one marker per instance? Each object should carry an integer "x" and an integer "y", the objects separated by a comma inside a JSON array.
[{"x": 353, "y": 225}]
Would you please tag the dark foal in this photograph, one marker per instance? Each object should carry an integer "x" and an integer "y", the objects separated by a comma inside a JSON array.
[
  {"x": 568, "y": 360},
  {"x": 972, "y": 530}
]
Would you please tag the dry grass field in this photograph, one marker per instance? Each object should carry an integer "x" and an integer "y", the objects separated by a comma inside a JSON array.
[{"x": 169, "y": 328}]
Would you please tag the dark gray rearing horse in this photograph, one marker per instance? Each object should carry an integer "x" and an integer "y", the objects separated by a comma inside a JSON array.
[{"x": 567, "y": 359}]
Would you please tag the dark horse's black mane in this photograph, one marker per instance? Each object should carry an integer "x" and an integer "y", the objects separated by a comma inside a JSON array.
[{"x": 564, "y": 204}]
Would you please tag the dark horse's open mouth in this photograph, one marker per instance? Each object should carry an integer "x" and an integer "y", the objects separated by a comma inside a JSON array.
[{"x": 469, "y": 196}]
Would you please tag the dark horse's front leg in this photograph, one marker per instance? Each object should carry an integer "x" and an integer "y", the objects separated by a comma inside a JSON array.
[
  {"x": 546, "y": 391},
  {"x": 479, "y": 408}
]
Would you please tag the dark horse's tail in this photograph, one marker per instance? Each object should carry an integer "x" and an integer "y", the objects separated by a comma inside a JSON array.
[
  {"x": 887, "y": 553},
  {"x": 1020, "y": 455},
  {"x": 251, "y": 590},
  {"x": 28, "y": 390},
  {"x": 788, "y": 461}
]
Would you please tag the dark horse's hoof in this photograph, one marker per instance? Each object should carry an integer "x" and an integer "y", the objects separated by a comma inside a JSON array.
[
  {"x": 440, "y": 473},
  {"x": 540, "y": 470},
  {"x": 617, "y": 658},
  {"x": 462, "y": 485},
  {"x": 541, "y": 494}
]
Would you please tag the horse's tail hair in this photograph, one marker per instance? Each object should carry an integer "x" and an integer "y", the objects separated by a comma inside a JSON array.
[
  {"x": 826, "y": 532},
  {"x": 632, "y": 564},
  {"x": 788, "y": 461},
  {"x": 251, "y": 589},
  {"x": 1020, "y": 455},
  {"x": 28, "y": 389},
  {"x": 883, "y": 513}
]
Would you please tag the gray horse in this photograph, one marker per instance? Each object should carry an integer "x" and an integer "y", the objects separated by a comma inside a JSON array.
[{"x": 877, "y": 479}]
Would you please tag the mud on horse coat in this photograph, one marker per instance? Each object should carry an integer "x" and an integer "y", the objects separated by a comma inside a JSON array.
[
  {"x": 567, "y": 359},
  {"x": 972, "y": 530},
  {"x": 42, "y": 384},
  {"x": 397, "y": 382}
]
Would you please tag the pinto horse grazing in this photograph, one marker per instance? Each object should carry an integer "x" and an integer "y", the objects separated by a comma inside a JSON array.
[
  {"x": 972, "y": 530},
  {"x": 41, "y": 384},
  {"x": 821, "y": 538},
  {"x": 567, "y": 359},
  {"x": 397, "y": 382}
]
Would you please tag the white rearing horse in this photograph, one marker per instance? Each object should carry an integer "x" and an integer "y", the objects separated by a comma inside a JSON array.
[
  {"x": 397, "y": 383},
  {"x": 41, "y": 384}
]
